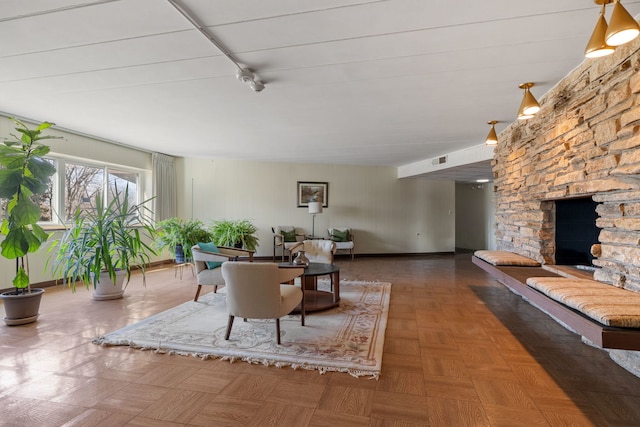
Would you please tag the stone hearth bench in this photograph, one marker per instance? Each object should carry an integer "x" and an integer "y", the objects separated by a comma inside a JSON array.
[{"x": 611, "y": 316}]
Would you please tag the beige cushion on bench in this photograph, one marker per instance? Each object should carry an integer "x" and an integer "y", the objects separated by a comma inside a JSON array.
[
  {"x": 506, "y": 258},
  {"x": 604, "y": 303}
]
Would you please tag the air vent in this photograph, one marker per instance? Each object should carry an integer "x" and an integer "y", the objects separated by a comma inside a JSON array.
[{"x": 439, "y": 160}]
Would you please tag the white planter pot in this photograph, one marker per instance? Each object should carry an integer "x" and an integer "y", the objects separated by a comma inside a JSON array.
[{"x": 106, "y": 289}]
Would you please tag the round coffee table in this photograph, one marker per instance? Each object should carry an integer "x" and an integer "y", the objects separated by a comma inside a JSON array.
[{"x": 314, "y": 299}]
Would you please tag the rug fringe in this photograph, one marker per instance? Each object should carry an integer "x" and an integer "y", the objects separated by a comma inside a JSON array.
[{"x": 373, "y": 375}]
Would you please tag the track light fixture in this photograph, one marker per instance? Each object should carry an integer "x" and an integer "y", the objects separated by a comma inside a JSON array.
[
  {"x": 597, "y": 45},
  {"x": 492, "y": 137},
  {"x": 247, "y": 76},
  {"x": 529, "y": 105},
  {"x": 622, "y": 28},
  {"x": 243, "y": 74}
]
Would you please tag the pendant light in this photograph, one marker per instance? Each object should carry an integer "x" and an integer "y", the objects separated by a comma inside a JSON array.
[
  {"x": 529, "y": 105},
  {"x": 622, "y": 27},
  {"x": 492, "y": 138},
  {"x": 597, "y": 47}
]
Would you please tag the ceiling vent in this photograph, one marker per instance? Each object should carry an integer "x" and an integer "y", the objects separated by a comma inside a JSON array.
[{"x": 439, "y": 160}]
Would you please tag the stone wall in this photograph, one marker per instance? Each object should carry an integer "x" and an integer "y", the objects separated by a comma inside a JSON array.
[{"x": 585, "y": 141}]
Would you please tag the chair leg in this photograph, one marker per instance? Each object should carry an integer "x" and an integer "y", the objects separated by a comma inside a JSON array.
[
  {"x": 215, "y": 289},
  {"x": 229, "y": 325},
  {"x": 198, "y": 293},
  {"x": 278, "y": 331},
  {"x": 351, "y": 250}
]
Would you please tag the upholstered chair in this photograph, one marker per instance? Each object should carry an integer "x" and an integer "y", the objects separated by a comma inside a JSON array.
[
  {"x": 284, "y": 238},
  {"x": 317, "y": 250},
  {"x": 343, "y": 236},
  {"x": 255, "y": 291},
  {"x": 208, "y": 263}
]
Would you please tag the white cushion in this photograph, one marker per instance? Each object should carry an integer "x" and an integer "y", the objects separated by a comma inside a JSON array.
[
  {"x": 210, "y": 277},
  {"x": 344, "y": 245}
]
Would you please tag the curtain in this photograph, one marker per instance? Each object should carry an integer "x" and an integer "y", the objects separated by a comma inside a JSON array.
[{"x": 164, "y": 186}]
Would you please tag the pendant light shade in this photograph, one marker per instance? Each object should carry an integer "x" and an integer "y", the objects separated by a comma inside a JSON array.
[
  {"x": 597, "y": 46},
  {"x": 492, "y": 138},
  {"x": 529, "y": 105},
  {"x": 622, "y": 27}
]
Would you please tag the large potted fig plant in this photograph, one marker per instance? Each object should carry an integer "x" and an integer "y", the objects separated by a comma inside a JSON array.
[
  {"x": 103, "y": 244},
  {"x": 24, "y": 177}
]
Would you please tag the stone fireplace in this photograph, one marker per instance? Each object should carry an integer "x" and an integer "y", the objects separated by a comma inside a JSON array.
[{"x": 584, "y": 143}]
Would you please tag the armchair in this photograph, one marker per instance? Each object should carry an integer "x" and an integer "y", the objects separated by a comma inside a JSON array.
[
  {"x": 343, "y": 237},
  {"x": 285, "y": 237},
  {"x": 207, "y": 265},
  {"x": 255, "y": 291}
]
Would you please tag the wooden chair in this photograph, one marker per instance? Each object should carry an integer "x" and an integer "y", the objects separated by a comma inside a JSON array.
[
  {"x": 284, "y": 238},
  {"x": 343, "y": 236}
]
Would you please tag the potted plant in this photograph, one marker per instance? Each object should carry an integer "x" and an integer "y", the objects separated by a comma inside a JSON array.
[
  {"x": 103, "y": 245},
  {"x": 24, "y": 176},
  {"x": 178, "y": 236},
  {"x": 238, "y": 233}
]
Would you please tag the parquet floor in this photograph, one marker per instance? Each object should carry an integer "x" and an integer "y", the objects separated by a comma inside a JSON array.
[{"x": 460, "y": 350}]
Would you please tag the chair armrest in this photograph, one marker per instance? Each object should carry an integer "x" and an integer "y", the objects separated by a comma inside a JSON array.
[
  {"x": 213, "y": 256},
  {"x": 236, "y": 252}
]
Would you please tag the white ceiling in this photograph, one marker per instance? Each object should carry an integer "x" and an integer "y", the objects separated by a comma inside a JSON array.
[{"x": 351, "y": 82}]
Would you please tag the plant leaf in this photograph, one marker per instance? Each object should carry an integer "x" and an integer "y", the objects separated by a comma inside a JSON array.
[
  {"x": 16, "y": 244},
  {"x": 24, "y": 212},
  {"x": 21, "y": 280}
]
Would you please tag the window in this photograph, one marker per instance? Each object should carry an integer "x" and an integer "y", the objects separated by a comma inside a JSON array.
[
  {"x": 119, "y": 180},
  {"x": 76, "y": 186},
  {"x": 82, "y": 183}
]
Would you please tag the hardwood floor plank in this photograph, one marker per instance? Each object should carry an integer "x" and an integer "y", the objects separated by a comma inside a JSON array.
[
  {"x": 347, "y": 400},
  {"x": 400, "y": 407},
  {"x": 278, "y": 414},
  {"x": 96, "y": 417},
  {"x": 226, "y": 411},
  {"x": 322, "y": 418},
  {"x": 461, "y": 413},
  {"x": 177, "y": 406}
]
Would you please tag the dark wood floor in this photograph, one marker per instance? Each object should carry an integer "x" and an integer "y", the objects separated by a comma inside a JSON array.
[{"x": 460, "y": 350}]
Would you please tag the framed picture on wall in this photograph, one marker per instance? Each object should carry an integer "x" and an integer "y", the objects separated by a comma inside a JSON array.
[{"x": 313, "y": 192}]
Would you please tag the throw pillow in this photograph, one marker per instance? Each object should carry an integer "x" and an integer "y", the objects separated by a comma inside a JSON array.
[
  {"x": 211, "y": 247},
  {"x": 340, "y": 235},
  {"x": 289, "y": 236}
]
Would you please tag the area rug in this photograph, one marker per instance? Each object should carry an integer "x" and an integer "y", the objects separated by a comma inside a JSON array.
[{"x": 348, "y": 338}]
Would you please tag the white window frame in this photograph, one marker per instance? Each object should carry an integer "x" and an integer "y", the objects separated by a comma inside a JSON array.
[{"x": 59, "y": 187}]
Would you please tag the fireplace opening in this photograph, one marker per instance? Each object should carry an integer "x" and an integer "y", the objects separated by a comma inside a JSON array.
[{"x": 576, "y": 231}]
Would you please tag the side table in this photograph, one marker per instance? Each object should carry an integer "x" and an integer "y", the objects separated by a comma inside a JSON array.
[
  {"x": 314, "y": 299},
  {"x": 179, "y": 268}
]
